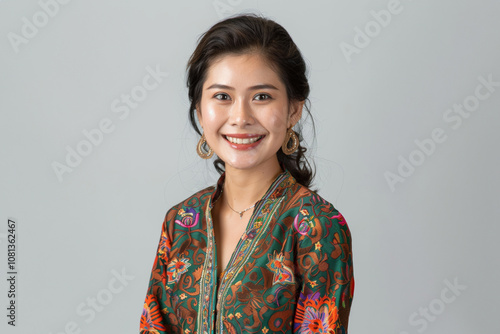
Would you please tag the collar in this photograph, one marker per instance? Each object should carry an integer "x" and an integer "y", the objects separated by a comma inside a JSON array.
[{"x": 276, "y": 190}]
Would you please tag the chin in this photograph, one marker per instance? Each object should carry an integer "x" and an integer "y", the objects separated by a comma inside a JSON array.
[{"x": 241, "y": 164}]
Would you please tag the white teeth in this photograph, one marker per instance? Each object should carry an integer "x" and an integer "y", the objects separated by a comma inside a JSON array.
[{"x": 243, "y": 140}]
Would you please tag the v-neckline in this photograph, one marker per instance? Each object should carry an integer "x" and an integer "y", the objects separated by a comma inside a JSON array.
[
  {"x": 217, "y": 193},
  {"x": 221, "y": 275},
  {"x": 274, "y": 193}
]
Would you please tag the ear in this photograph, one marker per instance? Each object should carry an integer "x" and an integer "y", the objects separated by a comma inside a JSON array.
[
  {"x": 295, "y": 113},
  {"x": 198, "y": 113}
]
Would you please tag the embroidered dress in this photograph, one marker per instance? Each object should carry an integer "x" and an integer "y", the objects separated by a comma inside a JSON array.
[{"x": 291, "y": 271}]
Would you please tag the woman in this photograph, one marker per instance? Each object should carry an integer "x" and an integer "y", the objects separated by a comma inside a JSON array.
[{"x": 258, "y": 252}]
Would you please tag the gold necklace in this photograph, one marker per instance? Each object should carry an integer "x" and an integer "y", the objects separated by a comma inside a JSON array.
[{"x": 240, "y": 212}]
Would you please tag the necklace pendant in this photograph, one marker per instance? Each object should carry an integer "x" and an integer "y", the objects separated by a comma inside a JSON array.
[{"x": 241, "y": 215}]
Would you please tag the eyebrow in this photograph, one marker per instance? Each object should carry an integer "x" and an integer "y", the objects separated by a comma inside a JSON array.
[{"x": 263, "y": 86}]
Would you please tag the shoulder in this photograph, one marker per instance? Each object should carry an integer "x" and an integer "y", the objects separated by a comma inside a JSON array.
[
  {"x": 190, "y": 209},
  {"x": 315, "y": 217}
]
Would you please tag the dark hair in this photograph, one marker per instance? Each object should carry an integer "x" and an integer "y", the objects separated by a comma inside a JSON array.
[{"x": 250, "y": 33}]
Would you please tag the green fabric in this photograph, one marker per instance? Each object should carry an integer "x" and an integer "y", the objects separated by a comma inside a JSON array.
[{"x": 291, "y": 271}]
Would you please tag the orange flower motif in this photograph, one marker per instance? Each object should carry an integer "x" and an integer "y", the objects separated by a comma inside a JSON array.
[
  {"x": 315, "y": 314},
  {"x": 282, "y": 273},
  {"x": 318, "y": 245},
  {"x": 151, "y": 316},
  {"x": 164, "y": 249},
  {"x": 176, "y": 268}
]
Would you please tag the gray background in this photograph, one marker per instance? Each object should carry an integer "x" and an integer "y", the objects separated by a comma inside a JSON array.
[{"x": 439, "y": 225}]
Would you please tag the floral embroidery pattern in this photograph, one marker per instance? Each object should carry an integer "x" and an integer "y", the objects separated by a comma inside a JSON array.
[
  {"x": 189, "y": 217},
  {"x": 316, "y": 315},
  {"x": 164, "y": 248},
  {"x": 176, "y": 268},
  {"x": 305, "y": 223},
  {"x": 282, "y": 273},
  {"x": 151, "y": 317}
]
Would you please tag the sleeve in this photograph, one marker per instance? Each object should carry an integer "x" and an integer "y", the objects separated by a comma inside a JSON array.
[
  {"x": 157, "y": 308},
  {"x": 325, "y": 265}
]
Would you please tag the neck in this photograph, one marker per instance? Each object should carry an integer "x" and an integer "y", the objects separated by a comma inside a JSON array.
[{"x": 244, "y": 187}]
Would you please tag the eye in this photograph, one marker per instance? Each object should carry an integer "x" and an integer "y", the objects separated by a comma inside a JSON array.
[
  {"x": 262, "y": 97},
  {"x": 221, "y": 96}
]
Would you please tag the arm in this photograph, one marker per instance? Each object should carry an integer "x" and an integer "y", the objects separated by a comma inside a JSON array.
[
  {"x": 157, "y": 304},
  {"x": 325, "y": 266}
]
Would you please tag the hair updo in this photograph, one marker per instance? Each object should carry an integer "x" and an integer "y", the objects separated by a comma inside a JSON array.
[{"x": 250, "y": 33}]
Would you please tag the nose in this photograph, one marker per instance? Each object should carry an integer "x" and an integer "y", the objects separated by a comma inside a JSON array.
[{"x": 241, "y": 113}]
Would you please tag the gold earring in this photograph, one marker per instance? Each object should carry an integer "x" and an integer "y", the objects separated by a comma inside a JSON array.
[
  {"x": 199, "y": 148},
  {"x": 295, "y": 142}
]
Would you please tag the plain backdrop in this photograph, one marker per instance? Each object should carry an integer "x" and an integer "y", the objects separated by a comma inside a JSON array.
[{"x": 399, "y": 91}]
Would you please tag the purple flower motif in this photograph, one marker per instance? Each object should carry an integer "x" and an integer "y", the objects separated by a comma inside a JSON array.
[
  {"x": 303, "y": 226},
  {"x": 189, "y": 218}
]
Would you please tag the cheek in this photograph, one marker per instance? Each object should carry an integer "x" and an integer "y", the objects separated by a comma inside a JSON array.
[
  {"x": 277, "y": 124},
  {"x": 212, "y": 117}
]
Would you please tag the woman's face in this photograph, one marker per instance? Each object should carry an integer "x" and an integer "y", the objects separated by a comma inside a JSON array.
[{"x": 244, "y": 111}]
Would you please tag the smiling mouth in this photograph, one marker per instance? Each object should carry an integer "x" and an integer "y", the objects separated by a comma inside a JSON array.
[{"x": 243, "y": 140}]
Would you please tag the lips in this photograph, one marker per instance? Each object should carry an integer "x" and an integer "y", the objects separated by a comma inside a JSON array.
[
  {"x": 243, "y": 141},
  {"x": 247, "y": 140}
]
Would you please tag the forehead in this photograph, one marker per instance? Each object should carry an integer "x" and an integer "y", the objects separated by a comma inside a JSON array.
[{"x": 242, "y": 70}]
